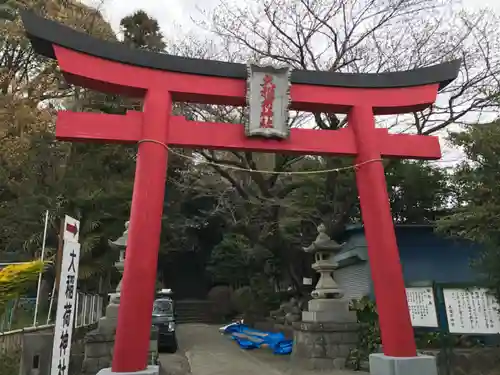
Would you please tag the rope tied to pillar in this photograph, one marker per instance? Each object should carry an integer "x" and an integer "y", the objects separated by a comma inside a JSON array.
[{"x": 241, "y": 169}]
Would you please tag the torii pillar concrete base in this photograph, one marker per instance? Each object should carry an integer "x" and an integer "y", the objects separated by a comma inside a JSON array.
[
  {"x": 150, "y": 370},
  {"x": 381, "y": 364}
]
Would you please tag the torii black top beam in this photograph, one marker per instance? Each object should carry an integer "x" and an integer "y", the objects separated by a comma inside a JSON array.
[{"x": 44, "y": 33}]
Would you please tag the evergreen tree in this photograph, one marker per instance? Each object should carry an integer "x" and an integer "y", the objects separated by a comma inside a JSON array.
[
  {"x": 142, "y": 31},
  {"x": 476, "y": 215}
]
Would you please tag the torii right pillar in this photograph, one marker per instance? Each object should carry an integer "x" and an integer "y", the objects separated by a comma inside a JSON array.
[{"x": 384, "y": 255}]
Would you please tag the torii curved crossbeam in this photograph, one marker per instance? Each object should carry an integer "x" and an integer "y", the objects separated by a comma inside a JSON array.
[
  {"x": 114, "y": 67},
  {"x": 46, "y": 33},
  {"x": 161, "y": 79}
]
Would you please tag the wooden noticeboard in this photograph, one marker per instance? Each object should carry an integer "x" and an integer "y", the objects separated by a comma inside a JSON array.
[
  {"x": 472, "y": 311},
  {"x": 422, "y": 306}
]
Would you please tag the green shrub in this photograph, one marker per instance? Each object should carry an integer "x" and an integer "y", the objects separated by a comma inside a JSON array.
[
  {"x": 242, "y": 300},
  {"x": 266, "y": 298},
  {"x": 10, "y": 361},
  {"x": 444, "y": 340},
  {"x": 369, "y": 335},
  {"x": 255, "y": 302},
  {"x": 222, "y": 306}
]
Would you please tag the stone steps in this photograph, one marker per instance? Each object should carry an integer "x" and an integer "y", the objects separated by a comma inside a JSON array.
[{"x": 193, "y": 311}]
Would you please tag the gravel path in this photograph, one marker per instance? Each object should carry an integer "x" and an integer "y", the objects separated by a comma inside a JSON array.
[{"x": 210, "y": 353}]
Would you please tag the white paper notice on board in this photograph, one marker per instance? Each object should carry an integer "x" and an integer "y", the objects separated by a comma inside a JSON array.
[
  {"x": 71, "y": 229},
  {"x": 422, "y": 306},
  {"x": 66, "y": 306},
  {"x": 472, "y": 310}
]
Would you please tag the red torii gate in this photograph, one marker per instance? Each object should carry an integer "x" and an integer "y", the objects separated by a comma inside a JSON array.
[{"x": 161, "y": 79}]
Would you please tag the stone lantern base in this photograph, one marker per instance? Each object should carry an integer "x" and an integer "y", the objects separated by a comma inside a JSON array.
[
  {"x": 325, "y": 337},
  {"x": 323, "y": 346},
  {"x": 329, "y": 311}
]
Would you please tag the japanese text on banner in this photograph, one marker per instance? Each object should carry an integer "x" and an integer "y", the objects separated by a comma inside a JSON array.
[{"x": 66, "y": 305}]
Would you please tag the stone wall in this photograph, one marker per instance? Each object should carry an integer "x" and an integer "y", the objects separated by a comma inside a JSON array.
[
  {"x": 98, "y": 352},
  {"x": 473, "y": 361},
  {"x": 77, "y": 348}
]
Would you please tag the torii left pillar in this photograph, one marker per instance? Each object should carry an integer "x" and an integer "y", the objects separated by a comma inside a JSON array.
[{"x": 144, "y": 233}]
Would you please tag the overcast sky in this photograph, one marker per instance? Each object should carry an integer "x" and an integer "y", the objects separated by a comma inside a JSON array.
[
  {"x": 167, "y": 12},
  {"x": 172, "y": 14}
]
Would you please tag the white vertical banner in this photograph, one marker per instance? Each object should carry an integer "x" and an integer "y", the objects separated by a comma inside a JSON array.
[{"x": 66, "y": 306}]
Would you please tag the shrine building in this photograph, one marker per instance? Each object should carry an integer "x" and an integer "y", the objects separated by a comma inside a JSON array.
[{"x": 426, "y": 257}]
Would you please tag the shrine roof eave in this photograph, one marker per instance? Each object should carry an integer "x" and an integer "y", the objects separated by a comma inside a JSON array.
[{"x": 44, "y": 34}]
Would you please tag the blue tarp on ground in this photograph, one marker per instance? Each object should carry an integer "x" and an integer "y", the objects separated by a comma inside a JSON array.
[{"x": 249, "y": 338}]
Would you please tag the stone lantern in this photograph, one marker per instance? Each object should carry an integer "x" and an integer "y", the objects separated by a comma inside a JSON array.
[
  {"x": 328, "y": 330},
  {"x": 108, "y": 322},
  {"x": 120, "y": 243},
  {"x": 324, "y": 249}
]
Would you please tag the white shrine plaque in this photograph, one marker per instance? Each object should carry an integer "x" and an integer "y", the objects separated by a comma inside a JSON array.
[
  {"x": 66, "y": 305},
  {"x": 473, "y": 311},
  {"x": 268, "y": 99},
  {"x": 422, "y": 306}
]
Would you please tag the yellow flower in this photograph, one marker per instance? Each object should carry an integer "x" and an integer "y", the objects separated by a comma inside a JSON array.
[{"x": 16, "y": 277}]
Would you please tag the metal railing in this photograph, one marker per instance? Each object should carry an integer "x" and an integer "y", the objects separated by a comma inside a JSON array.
[{"x": 89, "y": 309}]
